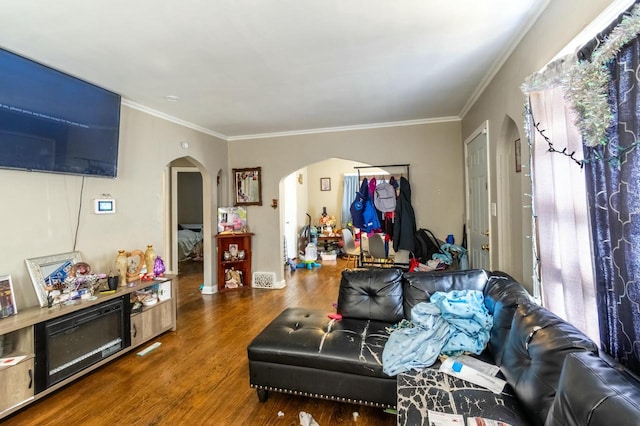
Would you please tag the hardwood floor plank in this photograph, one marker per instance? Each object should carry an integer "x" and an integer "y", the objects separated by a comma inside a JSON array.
[{"x": 200, "y": 374}]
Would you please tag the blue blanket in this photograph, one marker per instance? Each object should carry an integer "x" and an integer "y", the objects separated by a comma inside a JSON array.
[{"x": 451, "y": 324}]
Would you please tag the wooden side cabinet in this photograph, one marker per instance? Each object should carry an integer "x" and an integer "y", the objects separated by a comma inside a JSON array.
[
  {"x": 16, "y": 381},
  {"x": 149, "y": 321},
  {"x": 19, "y": 384},
  {"x": 234, "y": 260}
]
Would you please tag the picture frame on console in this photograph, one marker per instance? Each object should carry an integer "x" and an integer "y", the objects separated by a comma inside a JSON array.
[
  {"x": 7, "y": 297},
  {"x": 49, "y": 272}
]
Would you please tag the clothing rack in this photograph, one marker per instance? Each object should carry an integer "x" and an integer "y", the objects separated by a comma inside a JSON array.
[
  {"x": 361, "y": 261},
  {"x": 384, "y": 166}
]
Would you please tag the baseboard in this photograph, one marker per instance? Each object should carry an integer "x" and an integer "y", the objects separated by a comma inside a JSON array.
[{"x": 209, "y": 290}]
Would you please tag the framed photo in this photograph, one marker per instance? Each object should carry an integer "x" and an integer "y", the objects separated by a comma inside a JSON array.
[
  {"x": 518, "y": 155},
  {"x": 232, "y": 219},
  {"x": 233, "y": 251},
  {"x": 7, "y": 297},
  {"x": 247, "y": 186},
  {"x": 49, "y": 272},
  {"x": 325, "y": 184}
]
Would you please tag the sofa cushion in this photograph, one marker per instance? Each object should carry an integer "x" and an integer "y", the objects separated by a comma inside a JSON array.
[
  {"x": 308, "y": 338},
  {"x": 591, "y": 392},
  {"x": 502, "y": 295},
  {"x": 534, "y": 354},
  {"x": 419, "y": 286},
  {"x": 371, "y": 294}
]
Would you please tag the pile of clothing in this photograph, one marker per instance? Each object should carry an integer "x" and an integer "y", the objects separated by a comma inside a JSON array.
[{"x": 451, "y": 323}]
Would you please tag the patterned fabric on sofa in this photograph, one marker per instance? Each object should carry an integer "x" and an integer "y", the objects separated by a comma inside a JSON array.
[{"x": 430, "y": 389}]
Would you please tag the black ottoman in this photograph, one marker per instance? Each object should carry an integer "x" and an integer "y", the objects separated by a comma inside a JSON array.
[{"x": 303, "y": 352}]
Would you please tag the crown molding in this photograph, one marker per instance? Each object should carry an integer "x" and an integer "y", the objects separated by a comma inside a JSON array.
[
  {"x": 190, "y": 125},
  {"x": 172, "y": 119},
  {"x": 345, "y": 128}
]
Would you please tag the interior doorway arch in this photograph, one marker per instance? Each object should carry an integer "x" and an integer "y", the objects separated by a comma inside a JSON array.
[
  {"x": 174, "y": 168},
  {"x": 301, "y": 193},
  {"x": 511, "y": 169}
]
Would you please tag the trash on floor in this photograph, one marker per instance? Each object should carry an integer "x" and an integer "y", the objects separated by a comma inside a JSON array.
[
  {"x": 149, "y": 349},
  {"x": 307, "y": 419}
]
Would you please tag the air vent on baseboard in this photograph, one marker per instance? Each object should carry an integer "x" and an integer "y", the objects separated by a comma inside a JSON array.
[{"x": 265, "y": 280}]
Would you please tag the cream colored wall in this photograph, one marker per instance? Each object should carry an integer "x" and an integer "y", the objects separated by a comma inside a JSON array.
[
  {"x": 503, "y": 99},
  {"x": 40, "y": 210},
  {"x": 433, "y": 150},
  {"x": 334, "y": 169}
]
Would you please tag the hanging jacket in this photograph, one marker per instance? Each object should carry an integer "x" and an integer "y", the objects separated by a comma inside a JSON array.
[
  {"x": 372, "y": 187},
  {"x": 370, "y": 216},
  {"x": 404, "y": 228},
  {"x": 357, "y": 207}
]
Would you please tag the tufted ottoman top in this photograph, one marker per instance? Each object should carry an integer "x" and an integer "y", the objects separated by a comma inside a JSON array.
[{"x": 308, "y": 338}]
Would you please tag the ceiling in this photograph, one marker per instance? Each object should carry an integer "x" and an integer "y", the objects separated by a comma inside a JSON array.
[{"x": 255, "y": 67}]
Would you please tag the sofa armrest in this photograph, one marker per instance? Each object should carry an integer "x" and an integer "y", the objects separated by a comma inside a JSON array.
[
  {"x": 534, "y": 354},
  {"x": 591, "y": 392}
]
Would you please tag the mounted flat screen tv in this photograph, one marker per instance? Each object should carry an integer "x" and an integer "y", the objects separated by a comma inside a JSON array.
[{"x": 53, "y": 122}]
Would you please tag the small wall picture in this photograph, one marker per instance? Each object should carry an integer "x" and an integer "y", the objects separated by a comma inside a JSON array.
[
  {"x": 325, "y": 184},
  {"x": 518, "y": 155},
  {"x": 7, "y": 297}
]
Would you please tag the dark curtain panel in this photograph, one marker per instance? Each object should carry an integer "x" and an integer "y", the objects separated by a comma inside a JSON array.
[{"x": 613, "y": 186}]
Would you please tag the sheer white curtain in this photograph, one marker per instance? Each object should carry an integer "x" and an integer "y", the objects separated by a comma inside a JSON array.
[
  {"x": 350, "y": 187},
  {"x": 561, "y": 213}
]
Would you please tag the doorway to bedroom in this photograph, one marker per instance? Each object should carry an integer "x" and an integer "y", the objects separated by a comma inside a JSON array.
[{"x": 188, "y": 217}]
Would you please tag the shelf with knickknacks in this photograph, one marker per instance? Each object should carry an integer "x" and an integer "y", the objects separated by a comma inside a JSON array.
[
  {"x": 234, "y": 259},
  {"x": 129, "y": 266}
]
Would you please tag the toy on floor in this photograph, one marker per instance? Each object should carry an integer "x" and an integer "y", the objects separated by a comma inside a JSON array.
[
  {"x": 310, "y": 257},
  {"x": 308, "y": 264}
]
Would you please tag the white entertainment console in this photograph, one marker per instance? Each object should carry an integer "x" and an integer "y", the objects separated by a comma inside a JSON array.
[{"x": 18, "y": 382}]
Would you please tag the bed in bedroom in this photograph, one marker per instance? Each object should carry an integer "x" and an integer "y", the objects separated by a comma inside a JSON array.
[{"x": 190, "y": 238}]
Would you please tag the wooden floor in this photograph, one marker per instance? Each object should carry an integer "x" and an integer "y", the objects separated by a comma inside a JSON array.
[{"x": 200, "y": 375}]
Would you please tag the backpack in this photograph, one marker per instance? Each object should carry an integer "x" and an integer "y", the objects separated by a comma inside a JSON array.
[
  {"x": 385, "y": 197},
  {"x": 426, "y": 245}
]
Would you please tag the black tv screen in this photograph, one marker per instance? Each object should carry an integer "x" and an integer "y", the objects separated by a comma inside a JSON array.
[{"x": 53, "y": 122}]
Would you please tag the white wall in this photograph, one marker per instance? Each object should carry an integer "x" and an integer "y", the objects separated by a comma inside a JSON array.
[
  {"x": 433, "y": 150},
  {"x": 40, "y": 210},
  {"x": 334, "y": 169}
]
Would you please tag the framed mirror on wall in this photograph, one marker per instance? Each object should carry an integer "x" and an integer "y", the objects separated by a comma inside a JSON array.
[{"x": 247, "y": 186}]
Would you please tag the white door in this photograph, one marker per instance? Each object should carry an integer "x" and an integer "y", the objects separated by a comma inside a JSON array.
[
  {"x": 478, "y": 224},
  {"x": 290, "y": 215}
]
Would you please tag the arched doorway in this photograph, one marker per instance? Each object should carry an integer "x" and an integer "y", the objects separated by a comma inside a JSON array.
[
  {"x": 514, "y": 253},
  {"x": 200, "y": 201}
]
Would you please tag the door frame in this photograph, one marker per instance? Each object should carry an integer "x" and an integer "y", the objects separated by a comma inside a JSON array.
[
  {"x": 482, "y": 129},
  {"x": 209, "y": 286}
]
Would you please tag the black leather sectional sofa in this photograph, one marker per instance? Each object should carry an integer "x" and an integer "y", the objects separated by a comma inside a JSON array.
[{"x": 554, "y": 373}]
